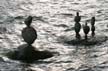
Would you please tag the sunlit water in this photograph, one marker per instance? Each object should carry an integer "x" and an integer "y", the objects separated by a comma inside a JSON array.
[{"x": 55, "y": 17}]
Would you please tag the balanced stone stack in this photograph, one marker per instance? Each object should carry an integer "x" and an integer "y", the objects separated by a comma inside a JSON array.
[
  {"x": 26, "y": 52},
  {"x": 77, "y": 25},
  {"x": 86, "y": 30},
  {"x": 93, "y": 26},
  {"x": 29, "y": 34}
]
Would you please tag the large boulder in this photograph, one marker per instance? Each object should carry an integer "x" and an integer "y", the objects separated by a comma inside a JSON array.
[
  {"x": 28, "y": 54},
  {"x": 29, "y": 34}
]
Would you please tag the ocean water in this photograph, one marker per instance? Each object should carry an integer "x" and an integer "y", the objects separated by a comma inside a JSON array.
[{"x": 54, "y": 22}]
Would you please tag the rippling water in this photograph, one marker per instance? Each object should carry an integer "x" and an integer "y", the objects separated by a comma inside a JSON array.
[{"x": 53, "y": 20}]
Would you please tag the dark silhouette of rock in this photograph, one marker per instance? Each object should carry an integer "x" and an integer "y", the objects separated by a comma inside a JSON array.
[
  {"x": 92, "y": 41},
  {"x": 92, "y": 20},
  {"x": 29, "y": 35},
  {"x": 77, "y": 29},
  {"x": 77, "y": 25},
  {"x": 86, "y": 30},
  {"x": 28, "y": 53},
  {"x": 28, "y": 21},
  {"x": 77, "y": 17},
  {"x": 93, "y": 31},
  {"x": 92, "y": 26}
]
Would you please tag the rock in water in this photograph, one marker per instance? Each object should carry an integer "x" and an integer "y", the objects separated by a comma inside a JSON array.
[
  {"x": 93, "y": 30},
  {"x": 77, "y": 17},
  {"x": 77, "y": 27},
  {"x": 77, "y": 30},
  {"x": 86, "y": 30},
  {"x": 28, "y": 21},
  {"x": 93, "y": 21},
  {"x": 28, "y": 54},
  {"x": 29, "y": 35}
]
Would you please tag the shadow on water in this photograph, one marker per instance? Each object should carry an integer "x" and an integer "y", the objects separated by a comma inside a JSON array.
[
  {"x": 91, "y": 40},
  {"x": 55, "y": 62},
  {"x": 61, "y": 25}
]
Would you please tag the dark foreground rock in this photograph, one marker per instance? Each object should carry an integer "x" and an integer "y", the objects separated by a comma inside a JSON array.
[{"x": 28, "y": 54}]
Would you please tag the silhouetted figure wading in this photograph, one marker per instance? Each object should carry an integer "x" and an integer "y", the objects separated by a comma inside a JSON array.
[
  {"x": 86, "y": 30},
  {"x": 92, "y": 26}
]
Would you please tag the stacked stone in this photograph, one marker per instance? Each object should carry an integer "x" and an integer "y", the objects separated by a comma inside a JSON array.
[
  {"x": 92, "y": 26},
  {"x": 77, "y": 25},
  {"x": 29, "y": 34},
  {"x": 86, "y": 30},
  {"x": 28, "y": 53}
]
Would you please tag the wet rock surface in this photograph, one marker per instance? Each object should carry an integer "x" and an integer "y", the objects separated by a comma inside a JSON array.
[
  {"x": 97, "y": 40},
  {"x": 28, "y": 54},
  {"x": 29, "y": 35},
  {"x": 91, "y": 41}
]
